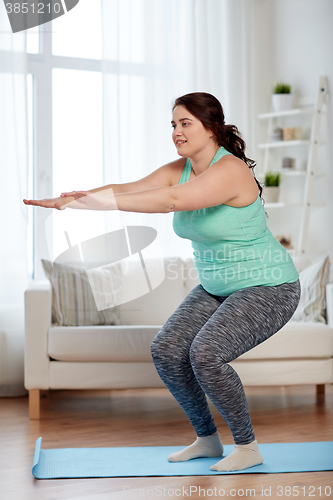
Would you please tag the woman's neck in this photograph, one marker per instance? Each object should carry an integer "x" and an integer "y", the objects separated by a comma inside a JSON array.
[{"x": 201, "y": 161}]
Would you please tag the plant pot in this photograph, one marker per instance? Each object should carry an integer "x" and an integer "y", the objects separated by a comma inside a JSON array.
[
  {"x": 271, "y": 194},
  {"x": 282, "y": 102}
]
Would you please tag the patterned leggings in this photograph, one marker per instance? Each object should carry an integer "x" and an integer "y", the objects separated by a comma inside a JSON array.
[{"x": 192, "y": 350}]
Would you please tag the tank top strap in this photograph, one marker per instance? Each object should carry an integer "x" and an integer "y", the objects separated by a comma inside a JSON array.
[
  {"x": 219, "y": 154},
  {"x": 188, "y": 167},
  {"x": 186, "y": 172}
]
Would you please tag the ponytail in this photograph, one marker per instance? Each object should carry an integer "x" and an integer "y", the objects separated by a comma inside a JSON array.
[{"x": 234, "y": 143}]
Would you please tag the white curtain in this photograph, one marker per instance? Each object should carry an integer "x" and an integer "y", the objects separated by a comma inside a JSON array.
[
  {"x": 13, "y": 221},
  {"x": 154, "y": 51}
]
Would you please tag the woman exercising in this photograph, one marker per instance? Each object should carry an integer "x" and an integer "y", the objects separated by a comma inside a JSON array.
[{"x": 249, "y": 287}]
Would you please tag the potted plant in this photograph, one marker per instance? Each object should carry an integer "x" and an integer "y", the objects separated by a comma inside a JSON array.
[
  {"x": 272, "y": 187},
  {"x": 282, "y": 99}
]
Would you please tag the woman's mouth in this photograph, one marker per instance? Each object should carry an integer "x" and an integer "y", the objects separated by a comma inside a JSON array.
[{"x": 180, "y": 143}]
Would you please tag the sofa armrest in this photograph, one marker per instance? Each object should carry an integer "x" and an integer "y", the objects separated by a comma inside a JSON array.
[
  {"x": 38, "y": 318},
  {"x": 329, "y": 304}
]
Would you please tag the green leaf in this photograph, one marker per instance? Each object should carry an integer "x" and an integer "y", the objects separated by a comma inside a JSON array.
[
  {"x": 282, "y": 88},
  {"x": 272, "y": 179}
]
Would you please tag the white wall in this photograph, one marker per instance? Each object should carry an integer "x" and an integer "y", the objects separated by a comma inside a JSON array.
[{"x": 294, "y": 43}]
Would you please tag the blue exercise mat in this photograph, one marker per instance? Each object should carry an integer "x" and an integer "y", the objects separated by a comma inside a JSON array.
[{"x": 153, "y": 461}]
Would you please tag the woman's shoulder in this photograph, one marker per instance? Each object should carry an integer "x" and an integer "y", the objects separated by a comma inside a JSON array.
[
  {"x": 238, "y": 172},
  {"x": 236, "y": 166}
]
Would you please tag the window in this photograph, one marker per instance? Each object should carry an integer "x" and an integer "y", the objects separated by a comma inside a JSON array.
[
  {"x": 65, "y": 115},
  {"x": 77, "y": 135},
  {"x": 33, "y": 40},
  {"x": 143, "y": 69},
  {"x": 78, "y": 33}
]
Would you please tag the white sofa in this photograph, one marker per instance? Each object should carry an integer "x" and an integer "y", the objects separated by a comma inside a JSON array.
[{"x": 110, "y": 357}]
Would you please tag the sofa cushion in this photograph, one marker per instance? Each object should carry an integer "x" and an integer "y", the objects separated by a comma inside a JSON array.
[
  {"x": 101, "y": 343},
  {"x": 154, "y": 307},
  {"x": 132, "y": 343},
  {"x": 73, "y": 303},
  {"x": 295, "y": 340},
  {"x": 313, "y": 280}
]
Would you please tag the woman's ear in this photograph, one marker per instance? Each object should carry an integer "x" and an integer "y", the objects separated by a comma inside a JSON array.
[
  {"x": 214, "y": 132},
  {"x": 213, "y": 135}
]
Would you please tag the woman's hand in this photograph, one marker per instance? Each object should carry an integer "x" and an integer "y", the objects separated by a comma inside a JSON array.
[
  {"x": 57, "y": 203},
  {"x": 79, "y": 200}
]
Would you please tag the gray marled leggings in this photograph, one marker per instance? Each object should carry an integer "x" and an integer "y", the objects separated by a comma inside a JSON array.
[{"x": 192, "y": 350}]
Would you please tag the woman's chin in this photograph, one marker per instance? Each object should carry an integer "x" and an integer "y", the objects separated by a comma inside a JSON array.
[{"x": 181, "y": 153}]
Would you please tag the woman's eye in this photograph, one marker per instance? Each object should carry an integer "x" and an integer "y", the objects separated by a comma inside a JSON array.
[{"x": 185, "y": 124}]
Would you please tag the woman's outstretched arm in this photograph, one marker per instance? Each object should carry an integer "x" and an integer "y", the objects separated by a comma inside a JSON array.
[
  {"x": 221, "y": 182},
  {"x": 164, "y": 176},
  {"x": 156, "y": 200},
  {"x": 69, "y": 199}
]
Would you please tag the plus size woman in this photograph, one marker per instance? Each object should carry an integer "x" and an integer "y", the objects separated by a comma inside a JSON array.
[{"x": 249, "y": 287}]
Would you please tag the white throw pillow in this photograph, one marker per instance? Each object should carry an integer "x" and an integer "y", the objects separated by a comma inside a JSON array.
[
  {"x": 73, "y": 302},
  {"x": 313, "y": 280}
]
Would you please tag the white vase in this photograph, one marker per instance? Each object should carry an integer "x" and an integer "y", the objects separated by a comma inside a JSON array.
[
  {"x": 282, "y": 102},
  {"x": 271, "y": 194}
]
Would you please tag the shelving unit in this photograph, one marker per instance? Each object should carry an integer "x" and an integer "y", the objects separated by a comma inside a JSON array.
[
  {"x": 290, "y": 112},
  {"x": 310, "y": 173}
]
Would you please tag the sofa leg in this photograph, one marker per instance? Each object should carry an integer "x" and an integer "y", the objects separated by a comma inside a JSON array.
[
  {"x": 34, "y": 404},
  {"x": 320, "y": 389}
]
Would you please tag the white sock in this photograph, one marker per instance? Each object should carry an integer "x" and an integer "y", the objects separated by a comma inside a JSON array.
[
  {"x": 243, "y": 456},
  {"x": 209, "y": 446}
]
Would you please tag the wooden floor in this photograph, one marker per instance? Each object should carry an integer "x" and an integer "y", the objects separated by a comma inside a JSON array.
[{"x": 151, "y": 417}]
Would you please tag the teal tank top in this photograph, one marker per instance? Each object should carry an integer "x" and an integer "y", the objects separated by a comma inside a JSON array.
[{"x": 233, "y": 247}]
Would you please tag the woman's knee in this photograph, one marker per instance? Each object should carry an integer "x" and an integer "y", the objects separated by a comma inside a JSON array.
[
  {"x": 202, "y": 353},
  {"x": 163, "y": 351},
  {"x": 157, "y": 347}
]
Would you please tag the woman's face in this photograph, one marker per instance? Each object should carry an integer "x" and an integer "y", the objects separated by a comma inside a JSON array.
[{"x": 189, "y": 135}]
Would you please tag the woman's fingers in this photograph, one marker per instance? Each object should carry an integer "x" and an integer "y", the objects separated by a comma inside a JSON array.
[
  {"x": 37, "y": 203},
  {"x": 72, "y": 193},
  {"x": 33, "y": 202},
  {"x": 45, "y": 204},
  {"x": 76, "y": 194}
]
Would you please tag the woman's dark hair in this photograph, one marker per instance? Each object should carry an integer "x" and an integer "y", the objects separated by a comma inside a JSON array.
[{"x": 209, "y": 111}]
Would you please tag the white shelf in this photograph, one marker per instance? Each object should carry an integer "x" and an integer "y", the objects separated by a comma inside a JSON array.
[
  {"x": 301, "y": 173},
  {"x": 290, "y": 112},
  {"x": 282, "y": 144},
  {"x": 291, "y": 172},
  {"x": 273, "y": 205},
  {"x": 281, "y": 204},
  {"x": 295, "y": 173}
]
